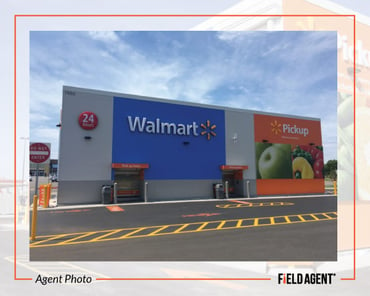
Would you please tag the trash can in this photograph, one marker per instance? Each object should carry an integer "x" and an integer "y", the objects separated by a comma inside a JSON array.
[
  {"x": 218, "y": 191},
  {"x": 107, "y": 194}
]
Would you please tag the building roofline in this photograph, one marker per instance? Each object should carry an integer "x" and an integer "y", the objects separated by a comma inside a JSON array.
[{"x": 180, "y": 102}]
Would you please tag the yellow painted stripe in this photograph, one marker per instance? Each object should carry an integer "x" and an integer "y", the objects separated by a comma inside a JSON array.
[
  {"x": 181, "y": 228},
  {"x": 159, "y": 230},
  {"x": 301, "y": 218},
  {"x": 327, "y": 216},
  {"x": 221, "y": 225},
  {"x": 133, "y": 232},
  {"x": 313, "y": 216},
  {"x": 105, "y": 235},
  {"x": 49, "y": 239},
  {"x": 76, "y": 238},
  {"x": 202, "y": 226}
]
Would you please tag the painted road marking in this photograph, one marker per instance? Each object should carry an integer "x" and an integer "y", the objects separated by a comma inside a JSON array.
[
  {"x": 201, "y": 215},
  {"x": 171, "y": 229},
  {"x": 241, "y": 204},
  {"x": 115, "y": 209}
]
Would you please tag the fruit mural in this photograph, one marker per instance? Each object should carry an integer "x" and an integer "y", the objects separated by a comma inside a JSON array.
[
  {"x": 282, "y": 161},
  {"x": 289, "y": 155}
]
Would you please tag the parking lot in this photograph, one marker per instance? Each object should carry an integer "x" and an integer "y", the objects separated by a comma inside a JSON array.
[{"x": 215, "y": 230}]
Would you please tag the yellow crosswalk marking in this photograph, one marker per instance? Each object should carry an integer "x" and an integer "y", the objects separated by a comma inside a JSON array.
[
  {"x": 221, "y": 225},
  {"x": 135, "y": 232},
  {"x": 158, "y": 230}
]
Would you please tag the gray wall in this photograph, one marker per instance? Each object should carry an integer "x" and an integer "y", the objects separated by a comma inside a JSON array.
[
  {"x": 240, "y": 147},
  {"x": 85, "y": 165},
  {"x": 80, "y": 159},
  {"x": 180, "y": 189}
]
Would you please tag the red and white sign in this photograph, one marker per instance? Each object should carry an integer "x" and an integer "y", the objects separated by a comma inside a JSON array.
[
  {"x": 39, "y": 152},
  {"x": 88, "y": 120}
]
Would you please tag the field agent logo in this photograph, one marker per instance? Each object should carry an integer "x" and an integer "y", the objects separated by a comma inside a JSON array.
[
  {"x": 305, "y": 278},
  {"x": 159, "y": 127}
]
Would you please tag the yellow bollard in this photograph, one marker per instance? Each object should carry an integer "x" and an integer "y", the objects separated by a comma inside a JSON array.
[
  {"x": 34, "y": 218},
  {"x": 335, "y": 187}
]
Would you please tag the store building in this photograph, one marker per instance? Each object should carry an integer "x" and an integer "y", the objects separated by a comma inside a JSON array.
[{"x": 155, "y": 149}]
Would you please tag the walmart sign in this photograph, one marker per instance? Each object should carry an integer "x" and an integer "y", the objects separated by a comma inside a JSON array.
[
  {"x": 143, "y": 125},
  {"x": 156, "y": 132}
]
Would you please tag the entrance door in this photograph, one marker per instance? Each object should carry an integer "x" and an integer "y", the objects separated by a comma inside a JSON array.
[
  {"x": 235, "y": 184},
  {"x": 128, "y": 184}
]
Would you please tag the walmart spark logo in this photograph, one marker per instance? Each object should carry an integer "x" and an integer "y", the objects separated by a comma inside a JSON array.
[
  {"x": 276, "y": 127},
  {"x": 208, "y": 130}
]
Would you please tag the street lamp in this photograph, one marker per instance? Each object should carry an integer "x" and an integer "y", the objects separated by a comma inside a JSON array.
[{"x": 25, "y": 139}]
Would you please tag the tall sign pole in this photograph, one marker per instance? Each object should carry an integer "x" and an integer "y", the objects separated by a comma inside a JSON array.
[{"x": 39, "y": 153}]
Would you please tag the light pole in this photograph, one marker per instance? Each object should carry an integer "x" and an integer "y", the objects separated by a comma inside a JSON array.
[{"x": 25, "y": 139}]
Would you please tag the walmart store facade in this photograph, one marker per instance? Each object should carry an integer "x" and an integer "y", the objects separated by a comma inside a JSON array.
[{"x": 157, "y": 149}]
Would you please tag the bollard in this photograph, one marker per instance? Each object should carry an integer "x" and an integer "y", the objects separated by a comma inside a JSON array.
[
  {"x": 115, "y": 192},
  {"x": 146, "y": 192},
  {"x": 34, "y": 218},
  {"x": 226, "y": 189},
  {"x": 335, "y": 187},
  {"x": 248, "y": 189}
]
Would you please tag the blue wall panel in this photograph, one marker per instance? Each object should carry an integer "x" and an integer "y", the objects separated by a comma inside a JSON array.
[{"x": 172, "y": 155}]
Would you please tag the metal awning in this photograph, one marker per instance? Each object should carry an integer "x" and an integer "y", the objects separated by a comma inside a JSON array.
[
  {"x": 130, "y": 165},
  {"x": 226, "y": 167}
]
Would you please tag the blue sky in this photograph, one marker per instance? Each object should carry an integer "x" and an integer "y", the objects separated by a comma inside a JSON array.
[{"x": 282, "y": 72}]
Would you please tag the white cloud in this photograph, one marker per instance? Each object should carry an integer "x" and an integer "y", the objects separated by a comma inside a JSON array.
[
  {"x": 106, "y": 36},
  {"x": 116, "y": 65}
]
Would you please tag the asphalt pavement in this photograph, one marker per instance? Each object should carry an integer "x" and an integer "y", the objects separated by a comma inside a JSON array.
[{"x": 279, "y": 229}]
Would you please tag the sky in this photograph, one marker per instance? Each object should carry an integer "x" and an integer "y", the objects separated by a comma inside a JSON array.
[
  {"x": 361, "y": 6},
  {"x": 281, "y": 72}
]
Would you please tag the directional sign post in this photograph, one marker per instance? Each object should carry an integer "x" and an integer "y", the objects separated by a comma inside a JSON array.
[{"x": 39, "y": 153}]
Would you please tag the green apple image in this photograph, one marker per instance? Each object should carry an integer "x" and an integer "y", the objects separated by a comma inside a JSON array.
[
  {"x": 286, "y": 147},
  {"x": 260, "y": 147},
  {"x": 275, "y": 163}
]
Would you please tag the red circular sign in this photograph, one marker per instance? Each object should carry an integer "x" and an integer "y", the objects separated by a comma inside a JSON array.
[
  {"x": 88, "y": 120},
  {"x": 39, "y": 152}
]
